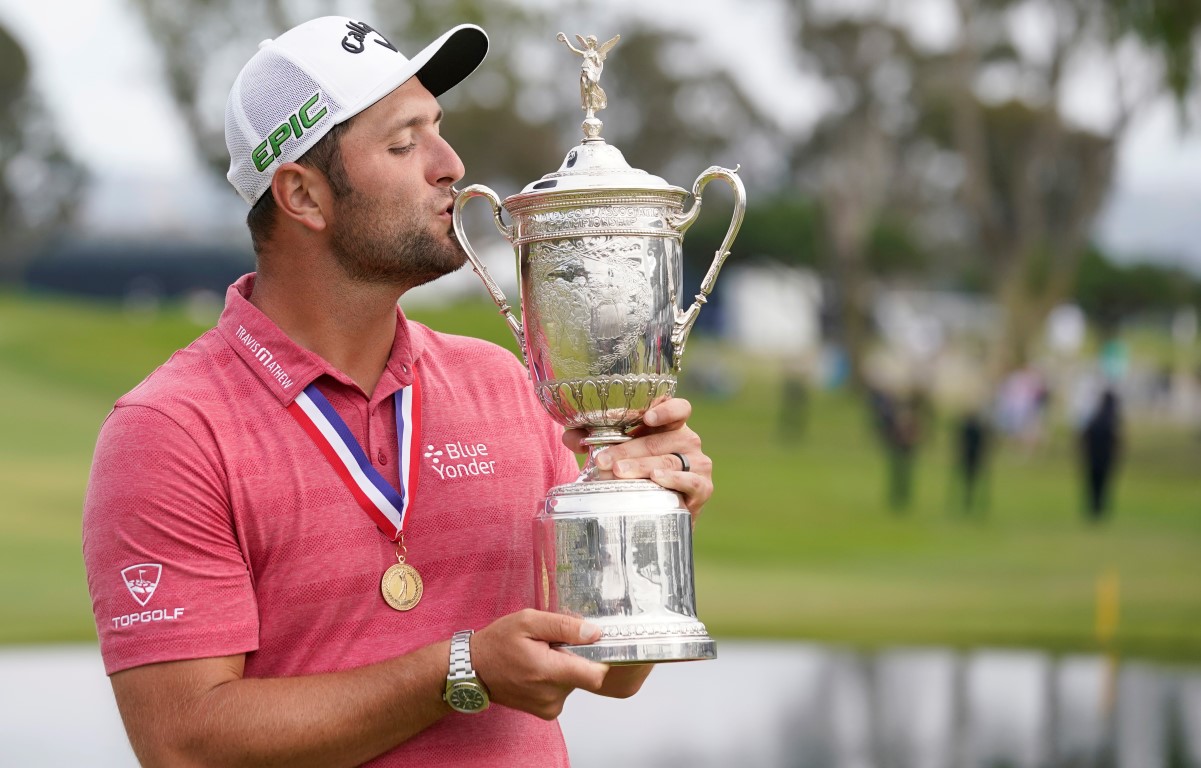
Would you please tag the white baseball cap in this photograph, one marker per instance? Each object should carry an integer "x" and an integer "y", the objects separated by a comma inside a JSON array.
[{"x": 321, "y": 73}]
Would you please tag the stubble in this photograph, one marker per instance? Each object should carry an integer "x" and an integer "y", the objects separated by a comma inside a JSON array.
[{"x": 391, "y": 243}]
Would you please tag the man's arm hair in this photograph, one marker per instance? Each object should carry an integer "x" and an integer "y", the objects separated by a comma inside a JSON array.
[{"x": 202, "y": 712}]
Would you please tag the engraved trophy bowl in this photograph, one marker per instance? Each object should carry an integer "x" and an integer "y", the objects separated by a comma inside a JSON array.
[{"x": 598, "y": 246}]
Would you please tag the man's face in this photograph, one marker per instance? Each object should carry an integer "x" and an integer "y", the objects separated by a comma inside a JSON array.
[{"x": 395, "y": 224}]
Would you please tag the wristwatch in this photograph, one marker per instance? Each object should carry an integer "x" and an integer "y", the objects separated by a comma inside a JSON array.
[{"x": 464, "y": 691}]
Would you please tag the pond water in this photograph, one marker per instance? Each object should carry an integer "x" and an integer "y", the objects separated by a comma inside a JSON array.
[{"x": 776, "y": 705}]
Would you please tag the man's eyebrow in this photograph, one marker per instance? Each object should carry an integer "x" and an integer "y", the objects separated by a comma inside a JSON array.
[{"x": 415, "y": 121}]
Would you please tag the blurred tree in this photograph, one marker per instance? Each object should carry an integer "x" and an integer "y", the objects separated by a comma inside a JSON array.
[
  {"x": 1171, "y": 28},
  {"x": 865, "y": 161},
  {"x": 674, "y": 111},
  {"x": 1110, "y": 293},
  {"x": 40, "y": 183},
  {"x": 512, "y": 121},
  {"x": 203, "y": 44},
  {"x": 893, "y": 249},
  {"x": 970, "y": 136},
  {"x": 784, "y": 228},
  {"x": 1030, "y": 204},
  {"x": 1033, "y": 182}
]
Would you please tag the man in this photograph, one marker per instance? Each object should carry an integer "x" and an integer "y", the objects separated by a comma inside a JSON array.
[
  {"x": 1100, "y": 452},
  {"x": 251, "y": 498}
]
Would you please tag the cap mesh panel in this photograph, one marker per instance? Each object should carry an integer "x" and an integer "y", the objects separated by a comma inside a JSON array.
[{"x": 269, "y": 91}]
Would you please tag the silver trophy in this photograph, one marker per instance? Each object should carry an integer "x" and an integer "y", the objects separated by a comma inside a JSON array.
[{"x": 602, "y": 330}]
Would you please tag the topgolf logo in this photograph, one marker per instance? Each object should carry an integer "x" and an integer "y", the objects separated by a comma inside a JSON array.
[{"x": 141, "y": 580}]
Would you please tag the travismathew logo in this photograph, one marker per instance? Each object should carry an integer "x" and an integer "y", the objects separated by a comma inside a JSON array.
[
  {"x": 142, "y": 581},
  {"x": 456, "y": 461},
  {"x": 264, "y": 356}
]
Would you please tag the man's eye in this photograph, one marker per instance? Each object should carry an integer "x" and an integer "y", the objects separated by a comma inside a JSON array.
[{"x": 407, "y": 148}]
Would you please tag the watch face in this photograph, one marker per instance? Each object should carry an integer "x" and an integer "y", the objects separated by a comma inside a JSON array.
[{"x": 467, "y": 697}]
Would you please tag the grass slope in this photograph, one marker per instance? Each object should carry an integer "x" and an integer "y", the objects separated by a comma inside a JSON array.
[{"x": 796, "y": 543}]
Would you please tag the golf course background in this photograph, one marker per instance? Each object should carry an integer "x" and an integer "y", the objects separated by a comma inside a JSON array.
[{"x": 797, "y": 542}]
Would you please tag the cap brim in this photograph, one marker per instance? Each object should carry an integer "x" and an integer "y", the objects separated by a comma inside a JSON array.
[{"x": 451, "y": 58}]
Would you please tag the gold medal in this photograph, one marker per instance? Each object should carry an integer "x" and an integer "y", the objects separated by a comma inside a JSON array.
[{"x": 401, "y": 586}]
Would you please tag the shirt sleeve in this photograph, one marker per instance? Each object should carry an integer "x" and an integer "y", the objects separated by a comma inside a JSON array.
[{"x": 166, "y": 572}]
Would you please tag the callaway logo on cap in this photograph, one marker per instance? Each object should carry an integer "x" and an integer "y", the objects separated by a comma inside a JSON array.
[{"x": 322, "y": 73}]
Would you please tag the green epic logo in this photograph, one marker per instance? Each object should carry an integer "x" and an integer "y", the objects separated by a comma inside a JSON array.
[{"x": 293, "y": 127}]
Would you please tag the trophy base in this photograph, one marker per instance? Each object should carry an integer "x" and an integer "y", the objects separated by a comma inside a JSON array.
[
  {"x": 646, "y": 651},
  {"x": 618, "y": 553}
]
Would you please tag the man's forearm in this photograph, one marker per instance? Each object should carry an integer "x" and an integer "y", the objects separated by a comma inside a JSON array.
[{"x": 175, "y": 715}]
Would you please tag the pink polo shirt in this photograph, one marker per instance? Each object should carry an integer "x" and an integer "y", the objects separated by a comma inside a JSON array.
[{"x": 213, "y": 525}]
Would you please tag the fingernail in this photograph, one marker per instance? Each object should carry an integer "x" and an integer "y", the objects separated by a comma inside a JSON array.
[
  {"x": 589, "y": 632},
  {"x": 651, "y": 418},
  {"x": 658, "y": 474},
  {"x": 604, "y": 460},
  {"x": 624, "y": 467}
]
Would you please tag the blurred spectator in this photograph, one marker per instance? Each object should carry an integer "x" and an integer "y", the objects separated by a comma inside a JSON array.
[
  {"x": 1115, "y": 359},
  {"x": 899, "y": 422},
  {"x": 794, "y": 403},
  {"x": 1100, "y": 449},
  {"x": 971, "y": 456},
  {"x": 1022, "y": 405}
]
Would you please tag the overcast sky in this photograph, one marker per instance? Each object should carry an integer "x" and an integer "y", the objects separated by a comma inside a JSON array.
[{"x": 91, "y": 59}]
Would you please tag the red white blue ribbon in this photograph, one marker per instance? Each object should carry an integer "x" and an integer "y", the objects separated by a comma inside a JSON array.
[{"x": 385, "y": 505}]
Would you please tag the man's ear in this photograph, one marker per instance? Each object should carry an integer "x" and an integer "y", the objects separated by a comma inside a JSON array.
[{"x": 303, "y": 195}]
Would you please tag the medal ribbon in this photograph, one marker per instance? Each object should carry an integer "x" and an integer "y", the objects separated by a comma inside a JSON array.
[{"x": 385, "y": 505}]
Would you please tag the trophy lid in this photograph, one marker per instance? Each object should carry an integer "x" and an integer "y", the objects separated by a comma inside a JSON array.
[
  {"x": 593, "y": 164},
  {"x": 597, "y": 165}
]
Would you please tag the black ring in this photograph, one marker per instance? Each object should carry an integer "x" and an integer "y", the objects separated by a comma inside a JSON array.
[{"x": 684, "y": 461}]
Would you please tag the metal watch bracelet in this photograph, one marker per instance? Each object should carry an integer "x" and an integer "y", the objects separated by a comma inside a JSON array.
[
  {"x": 464, "y": 691},
  {"x": 460, "y": 655}
]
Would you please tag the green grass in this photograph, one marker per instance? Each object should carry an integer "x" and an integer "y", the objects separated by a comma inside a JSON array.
[{"x": 796, "y": 543}]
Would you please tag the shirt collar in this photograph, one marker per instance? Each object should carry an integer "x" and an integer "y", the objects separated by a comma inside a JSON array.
[{"x": 285, "y": 367}]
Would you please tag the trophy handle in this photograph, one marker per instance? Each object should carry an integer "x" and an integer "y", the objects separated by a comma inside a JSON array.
[
  {"x": 685, "y": 319},
  {"x": 506, "y": 231}
]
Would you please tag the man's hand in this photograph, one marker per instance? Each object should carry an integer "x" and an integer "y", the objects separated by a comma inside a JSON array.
[
  {"x": 624, "y": 680},
  {"x": 651, "y": 454},
  {"x": 514, "y": 659}
]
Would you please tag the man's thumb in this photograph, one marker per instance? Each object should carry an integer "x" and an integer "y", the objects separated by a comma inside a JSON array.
[
  {"x": 560, "y": 628},
  {"x": 589, "y": 632}
]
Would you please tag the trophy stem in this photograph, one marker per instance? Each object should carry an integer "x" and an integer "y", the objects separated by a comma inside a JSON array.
[
  {"x": 592, "y": 129},
  {"x": 598, "y": 439}
]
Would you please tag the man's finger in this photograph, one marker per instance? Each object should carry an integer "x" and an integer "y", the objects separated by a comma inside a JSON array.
[
  {"x": 682, "y": 440},
  {"x": 578, "y": 672},
  {"x": 636, "y": 468},
  {"x": 567, "y": 668},
  {"x": 560, "y": 628},
  {"x": 669, "y": 414},
  {"x": 695, "y": 488},
  {"x": 573, "y": 439}
]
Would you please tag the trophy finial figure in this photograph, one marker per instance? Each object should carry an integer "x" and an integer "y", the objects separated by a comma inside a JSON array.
[{"x": 592, "y": 96}]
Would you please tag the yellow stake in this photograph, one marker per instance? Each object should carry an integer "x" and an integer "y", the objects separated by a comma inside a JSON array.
[
  {"x": 1108, "y": 606},
  {"x": 1108, "y": 600}
]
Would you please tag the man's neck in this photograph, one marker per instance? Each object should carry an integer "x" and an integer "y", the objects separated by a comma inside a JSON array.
[{"x": 351, "y": 325}]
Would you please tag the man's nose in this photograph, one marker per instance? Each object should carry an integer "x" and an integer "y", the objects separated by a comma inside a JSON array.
[{"x": 447, "y": 168}]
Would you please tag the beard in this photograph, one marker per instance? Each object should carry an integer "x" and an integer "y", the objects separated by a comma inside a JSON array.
[{"x": 381, "y": 243}]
